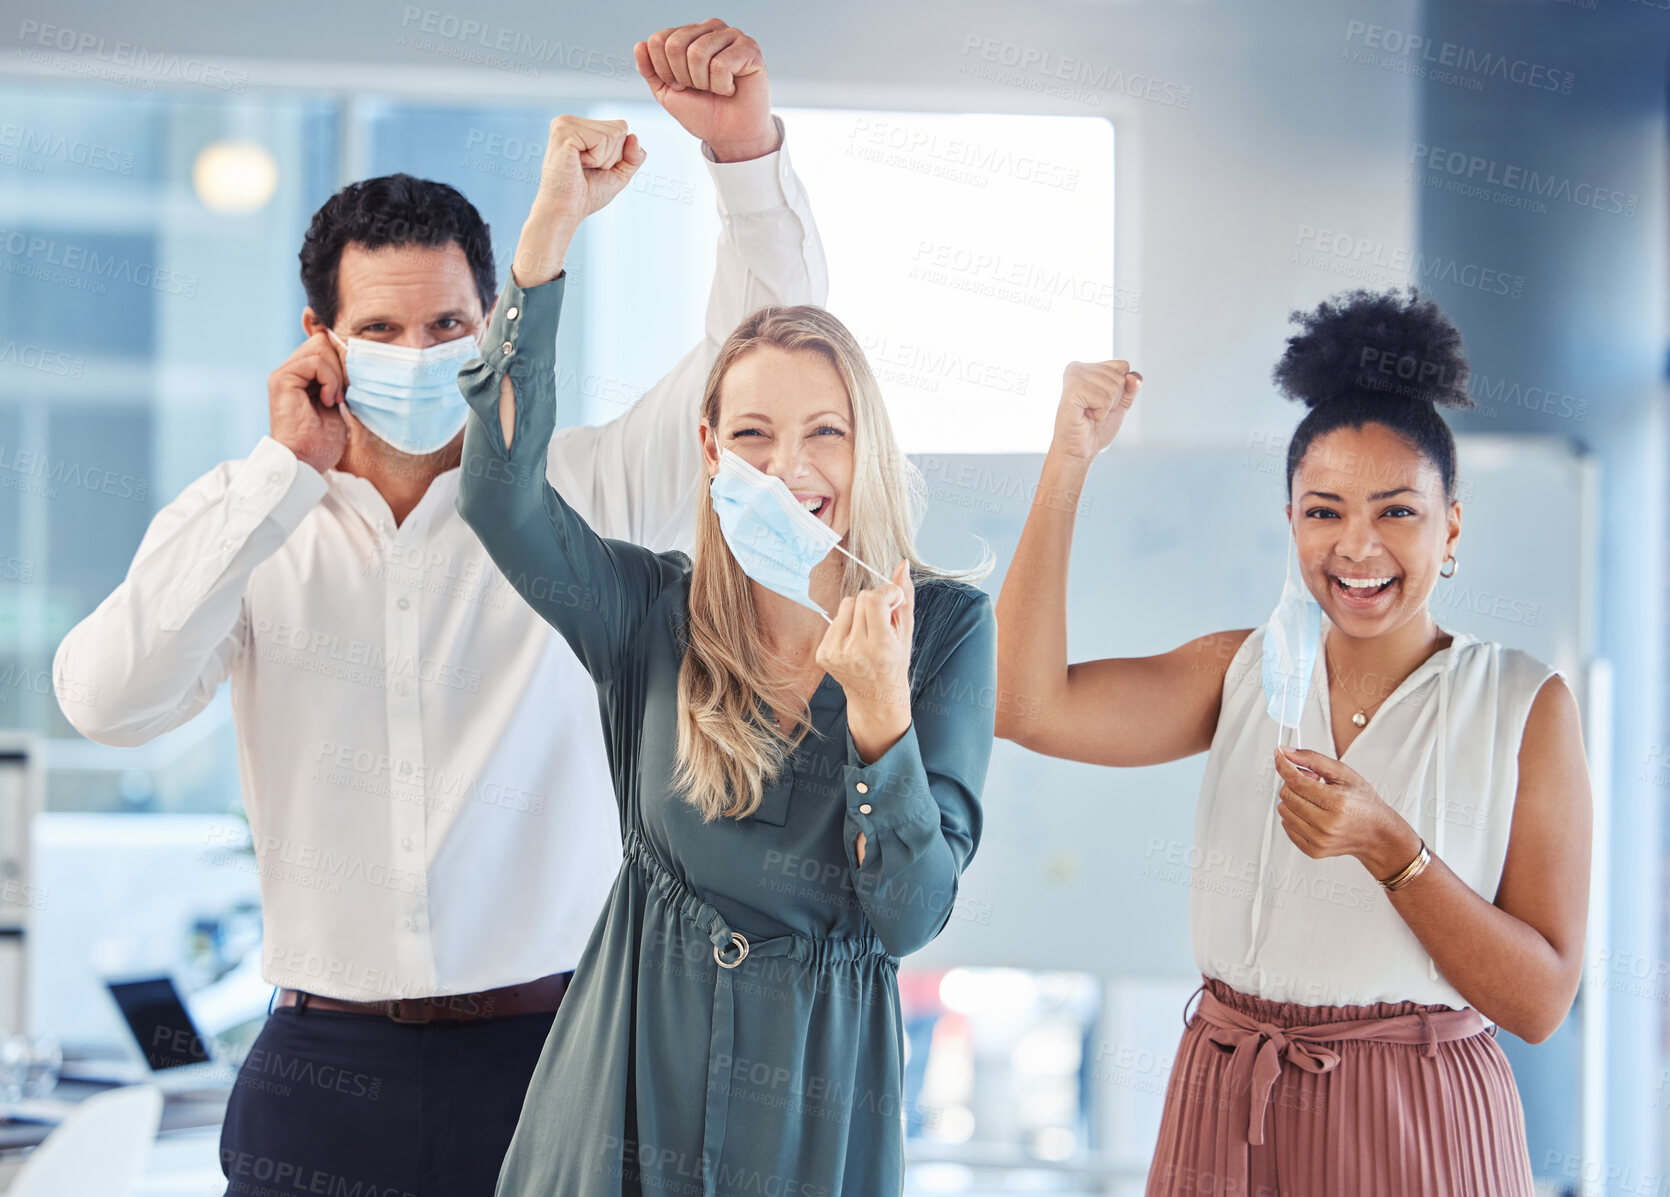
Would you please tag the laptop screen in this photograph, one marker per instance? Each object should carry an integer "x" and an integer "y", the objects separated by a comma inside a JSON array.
[{"x": 159, "y": 1022}]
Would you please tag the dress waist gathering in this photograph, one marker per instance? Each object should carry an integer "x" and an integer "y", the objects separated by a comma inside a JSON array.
[{"x": 731, "y": 951}]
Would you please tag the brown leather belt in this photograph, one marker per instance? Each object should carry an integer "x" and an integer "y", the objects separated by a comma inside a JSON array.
[{"x": 531, "y": 997}]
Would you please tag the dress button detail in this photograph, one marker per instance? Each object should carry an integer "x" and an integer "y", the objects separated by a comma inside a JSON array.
[
  {"x": 864, "y": 809},
  {"x": 402, "y": 603},
  {"x": 862, "y": 788},
  {"x": 512, "y": 312},
  {"x": 406, "y": 843},
  {"x": 508, "y": 349}
]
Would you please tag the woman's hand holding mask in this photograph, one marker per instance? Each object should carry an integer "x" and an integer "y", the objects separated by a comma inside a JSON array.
[
  {"x": 867, "y": 649},
  {"x": 1327, "y": 809}
]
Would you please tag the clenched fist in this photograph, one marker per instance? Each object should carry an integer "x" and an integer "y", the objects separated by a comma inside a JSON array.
[
  {"x": 711, "y": 78},
  {"x": 304, "y": 398},
  {"x": 1094, "y": 399},
  {"x": 587, "y": 163}
]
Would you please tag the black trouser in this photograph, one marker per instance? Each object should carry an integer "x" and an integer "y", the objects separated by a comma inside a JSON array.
[{"x": 332, "y": 1102}]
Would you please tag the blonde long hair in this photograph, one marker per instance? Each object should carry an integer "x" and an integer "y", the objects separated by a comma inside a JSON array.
[{"x": 726, "y": 753}]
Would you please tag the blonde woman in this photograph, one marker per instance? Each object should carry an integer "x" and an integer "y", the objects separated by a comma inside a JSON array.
[{"x": 798, "y": 777}]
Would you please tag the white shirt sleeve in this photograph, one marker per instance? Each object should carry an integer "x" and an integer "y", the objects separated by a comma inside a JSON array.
[
  {"x": 152, "y": 654},
  {"x": 637, "y": 477}
]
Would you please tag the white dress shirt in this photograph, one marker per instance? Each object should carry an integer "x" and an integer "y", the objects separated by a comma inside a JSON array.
[
  {"x": 1442, "y": 750},
  {"x": 421, "y": 755}
]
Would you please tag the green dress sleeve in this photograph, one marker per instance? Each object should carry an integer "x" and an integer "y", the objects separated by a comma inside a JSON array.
[
  {"x": 595, "y": 592},
  {"x": 918, "y": 804}
]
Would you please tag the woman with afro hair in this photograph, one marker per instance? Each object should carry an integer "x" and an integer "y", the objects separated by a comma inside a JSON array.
[{"x": 1430, "y": 876}]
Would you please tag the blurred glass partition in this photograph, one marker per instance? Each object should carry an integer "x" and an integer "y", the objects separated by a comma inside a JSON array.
[{"x": 147, "y": 287}]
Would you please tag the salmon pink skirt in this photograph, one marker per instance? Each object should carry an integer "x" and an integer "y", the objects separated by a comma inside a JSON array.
[{"x": 1271, "y": 1099}]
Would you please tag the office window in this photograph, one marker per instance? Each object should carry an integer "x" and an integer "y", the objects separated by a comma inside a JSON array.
[
  {"x": 972, "y": 256},
  {"x": 143, "y": 301}
]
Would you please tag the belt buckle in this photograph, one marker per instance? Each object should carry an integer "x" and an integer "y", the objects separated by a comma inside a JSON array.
[
  {"x": 393, "y": 1011},
  {"x": 742, "y": 952}
]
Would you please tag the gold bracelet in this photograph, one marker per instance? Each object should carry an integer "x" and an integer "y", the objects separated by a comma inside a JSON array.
[{"x": 1409, "y": 871}]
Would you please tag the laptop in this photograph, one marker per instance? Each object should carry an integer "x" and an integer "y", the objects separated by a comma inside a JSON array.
[{"x": 172, "y": 1053}]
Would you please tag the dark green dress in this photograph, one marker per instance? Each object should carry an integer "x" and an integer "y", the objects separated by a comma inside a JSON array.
[{"x": 733, "y": 1026}]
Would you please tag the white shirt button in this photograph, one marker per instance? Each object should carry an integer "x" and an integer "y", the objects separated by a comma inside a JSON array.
[
  {"x": 406, "y": 843},
  {"x": 864, "y": 809},
  {"x": 405, "y": 766},
  {"x": 402, "y": 603},
  {"x": 403, "y": 688},
  {"x": 412, "y": 923},
  {"x": 274, "y": 476},
  {"x": 862, "y": 788},
  {"x": 512, "y": 312}
]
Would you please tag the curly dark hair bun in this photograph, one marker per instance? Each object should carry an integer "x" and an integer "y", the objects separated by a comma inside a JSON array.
[
  {"x": 1365, "y": 343},
  {"x": 1390, "y": 358}
]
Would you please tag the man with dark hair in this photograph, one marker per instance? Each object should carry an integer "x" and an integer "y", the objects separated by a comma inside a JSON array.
[
  {"x": 393, "y": 210},
  {"x": 421, "y": 755}
]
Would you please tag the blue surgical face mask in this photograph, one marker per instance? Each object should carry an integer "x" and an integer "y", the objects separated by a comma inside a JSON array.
[
  {"x": 776, "y": 541},
  {"x": 407, "y": 397},
  {"x": 1291, "y": 641}
]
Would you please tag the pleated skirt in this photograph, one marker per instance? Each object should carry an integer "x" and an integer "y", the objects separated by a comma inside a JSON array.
[{"x": 1389, "y": 1120}]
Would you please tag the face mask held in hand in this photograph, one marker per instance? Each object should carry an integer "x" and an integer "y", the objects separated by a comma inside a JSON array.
[
  {"x": 407, "y": 397},
  {"x": 1291, "y": 641},
  {"x": 776, "y": 541}
]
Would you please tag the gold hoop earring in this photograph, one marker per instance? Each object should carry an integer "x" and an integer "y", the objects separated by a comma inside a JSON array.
[{"x": 1454, "y": 566}]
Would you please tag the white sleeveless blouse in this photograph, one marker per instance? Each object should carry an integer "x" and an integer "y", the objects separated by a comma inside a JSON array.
[{"x": 1443, "y": 750}]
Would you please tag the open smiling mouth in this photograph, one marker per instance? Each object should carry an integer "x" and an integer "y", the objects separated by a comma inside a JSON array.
[
  {"x": 1361, "y": 590},
  {"x": 816, "y": 504}
]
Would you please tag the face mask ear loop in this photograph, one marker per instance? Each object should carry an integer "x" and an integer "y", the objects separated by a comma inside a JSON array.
[
  {"x": 883, "y": 577},
  {"x": 889, "y": 581},
  {"x": 872, "y": 569},
  {"x": 1287, "y": 688},
  {"x": 1266, "y": 840},
  {"x": 1298, "y": 650},
  {"x": 1441, "y": 764}
]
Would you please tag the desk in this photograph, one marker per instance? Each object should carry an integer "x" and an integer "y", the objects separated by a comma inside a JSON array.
[{"x": 185, "y": 1162}]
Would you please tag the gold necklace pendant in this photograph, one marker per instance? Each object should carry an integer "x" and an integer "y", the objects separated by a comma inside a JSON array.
[{"x": 1360, "y": 719}]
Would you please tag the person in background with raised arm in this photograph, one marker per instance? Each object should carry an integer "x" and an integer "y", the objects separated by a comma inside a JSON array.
[
  {"x": 798, "y": 760},
  {"x": 1342, "y": 1044},
  {"x": 422, "y": 764}
]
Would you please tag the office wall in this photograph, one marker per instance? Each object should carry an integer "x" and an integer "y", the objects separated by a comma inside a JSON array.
[
  {"x": 1248, "y": 142},
  {"x": 1581, "y": 354}
]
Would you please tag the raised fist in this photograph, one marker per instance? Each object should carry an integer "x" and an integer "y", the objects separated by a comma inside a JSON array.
[
  {"x": 1094, "y": 399},
  {"x": 711, "y": 79},
  {"x": 587, "y": 163}
]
